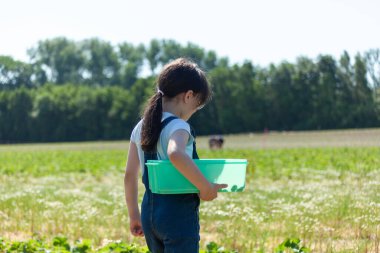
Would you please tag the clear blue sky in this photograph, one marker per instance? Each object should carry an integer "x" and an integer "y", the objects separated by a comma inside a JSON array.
[{"x": 262, "y": 31}]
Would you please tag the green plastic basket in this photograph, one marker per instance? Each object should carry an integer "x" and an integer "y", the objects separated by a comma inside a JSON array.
[{"x": 164, "y": 178}]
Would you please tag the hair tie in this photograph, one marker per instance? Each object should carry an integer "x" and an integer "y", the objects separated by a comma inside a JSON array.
[{"x": 160, "y": 92}]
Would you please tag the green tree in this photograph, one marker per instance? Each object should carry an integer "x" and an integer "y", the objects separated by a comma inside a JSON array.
[
  {"x": 248, "y": 98},
  {"x": 345, "y": 101},
  {"x": 101, "y": 62},
  {"x": 15, "y": 113},
  {"x": 222, "y": 106},
  {"x": 304, "y": 90},
  {"x": 195, "y": 53},
  {"x": 140, "y": 93},
  {"x": 372, "y": 59},
  {"x": 364, "y": 111},
  {"x": 170, "y": 50},
  {"x": 325, "y": 101},
  {"x": 15, "y": 74},
  {"x": 281, "y": 115},
  {"x": 153, "y": 54},
  {"x": 131, "y": 59},
  {"x": 60, "y": 58},
  {"x": 210, "y": 61},
  {"x": 4, "y": 116}
]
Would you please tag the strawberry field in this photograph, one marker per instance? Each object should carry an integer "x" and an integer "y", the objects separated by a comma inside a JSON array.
[{"x": 326, "y": 196}]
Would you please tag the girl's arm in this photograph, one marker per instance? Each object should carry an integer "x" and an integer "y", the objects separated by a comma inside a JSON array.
[
  {"x": 131, "y": 190},
  {"x": 178, "y": 157}
]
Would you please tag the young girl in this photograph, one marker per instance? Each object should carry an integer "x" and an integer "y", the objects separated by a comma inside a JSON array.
[{"x": 169, "y": 222}]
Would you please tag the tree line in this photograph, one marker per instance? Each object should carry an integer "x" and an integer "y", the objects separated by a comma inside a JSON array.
[{"x": 93, "y": 90}]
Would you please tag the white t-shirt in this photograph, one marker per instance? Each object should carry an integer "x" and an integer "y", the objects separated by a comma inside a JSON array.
[{"x": 166, "y": 133}]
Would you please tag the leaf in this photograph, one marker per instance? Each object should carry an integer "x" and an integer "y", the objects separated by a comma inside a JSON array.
[
  {"x": 82, "y": 246},
  {"x": 61, "y": 242}
]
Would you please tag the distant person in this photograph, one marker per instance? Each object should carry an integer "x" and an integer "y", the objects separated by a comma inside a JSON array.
[
  {"x": 170, "y": 222},
  {"x": 216, "y": 142}
]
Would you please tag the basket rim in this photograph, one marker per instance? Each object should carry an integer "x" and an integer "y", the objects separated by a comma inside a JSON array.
[{"x": 202, "y": 161}]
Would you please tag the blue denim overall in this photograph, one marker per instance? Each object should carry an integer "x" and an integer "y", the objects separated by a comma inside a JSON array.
[{"x": 170, "y": 221}]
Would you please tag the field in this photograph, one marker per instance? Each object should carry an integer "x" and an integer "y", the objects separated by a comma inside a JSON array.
[{"x": 320, "y": 187}]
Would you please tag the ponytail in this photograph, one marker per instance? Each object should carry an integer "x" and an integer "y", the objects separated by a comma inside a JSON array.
[{"x": 151, "y": 126}]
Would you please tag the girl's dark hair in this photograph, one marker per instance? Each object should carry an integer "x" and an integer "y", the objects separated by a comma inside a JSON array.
[{"x": 178, "y": 76}]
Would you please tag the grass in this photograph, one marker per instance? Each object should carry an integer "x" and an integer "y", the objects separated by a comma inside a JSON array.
[{"x": 329, "y": 197}]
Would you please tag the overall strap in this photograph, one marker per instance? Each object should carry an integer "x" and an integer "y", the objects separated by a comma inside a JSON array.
[
  {"x": 195, "y": 154},
  {"x": 167, "y": 121}
]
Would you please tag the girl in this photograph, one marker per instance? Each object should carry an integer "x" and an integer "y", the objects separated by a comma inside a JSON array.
[{"x": 169, "y": 222}]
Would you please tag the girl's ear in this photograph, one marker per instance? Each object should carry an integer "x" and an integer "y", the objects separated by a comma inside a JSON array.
[{"x": 188, "y": 95}]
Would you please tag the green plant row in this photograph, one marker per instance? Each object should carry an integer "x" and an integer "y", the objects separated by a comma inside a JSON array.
[
  {"x": 265, "y": 163},
  {"x": 61, "y": 244}
]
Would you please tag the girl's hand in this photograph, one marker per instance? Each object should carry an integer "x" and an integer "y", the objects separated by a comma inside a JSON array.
[
  {"x": 136, "y": 228},
  {"x": 211, "y": 192}
]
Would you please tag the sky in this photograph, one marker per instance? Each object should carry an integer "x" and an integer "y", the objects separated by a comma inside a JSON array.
[{"x": 261, "y": 31}]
